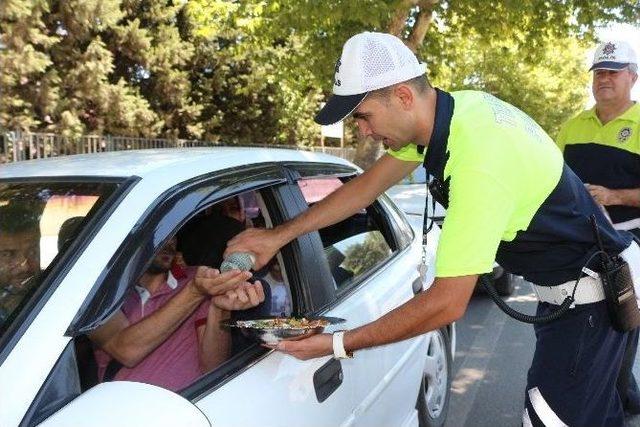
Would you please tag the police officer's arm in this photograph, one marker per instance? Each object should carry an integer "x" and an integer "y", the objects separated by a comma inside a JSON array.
[
  {"x": 608, "y": 197},
  {"x": 345, "y": 201},
  {"x": 479, "y": 213},
  {"x": 443, "y": 303}
]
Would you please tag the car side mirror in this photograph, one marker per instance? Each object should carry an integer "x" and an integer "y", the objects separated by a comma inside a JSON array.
[{"x": 128, "y": 403}]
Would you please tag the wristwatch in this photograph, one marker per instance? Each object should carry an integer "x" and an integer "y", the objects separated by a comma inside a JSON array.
[{"x": 338, "y": 346}]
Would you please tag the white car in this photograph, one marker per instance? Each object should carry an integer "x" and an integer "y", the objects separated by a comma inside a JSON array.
[
  {"x": 101, "y": 220},
  {"x": 410, "y": 195}
]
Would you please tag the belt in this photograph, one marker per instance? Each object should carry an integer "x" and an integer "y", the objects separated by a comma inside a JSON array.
[{"x": 589, "y": 290}]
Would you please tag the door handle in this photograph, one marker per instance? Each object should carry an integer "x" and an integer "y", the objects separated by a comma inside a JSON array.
[
  {"x": 327, "y": 379},
  {"x": 417, "y": 286}
]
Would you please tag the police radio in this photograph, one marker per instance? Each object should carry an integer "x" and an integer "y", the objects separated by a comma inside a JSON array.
[{"x": 617, "y": 283}]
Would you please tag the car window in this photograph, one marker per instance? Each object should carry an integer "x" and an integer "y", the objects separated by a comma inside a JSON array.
[
  {"x": 355, "y": 246},
  {"x": 38, "y": 222},
  {"x": 199, "y": 344},
  {"x": 203, "y": 240},
  {"x": 400, "y": 227}
]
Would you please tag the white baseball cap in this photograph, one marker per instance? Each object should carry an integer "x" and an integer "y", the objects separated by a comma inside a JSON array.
[
  {"x": 369, "y": 61},
  {"x": 613, "y": 55}
]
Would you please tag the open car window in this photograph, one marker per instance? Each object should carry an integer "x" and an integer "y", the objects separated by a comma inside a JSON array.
[
  {"x": 352, "y": 247},
  {"x": 198, "y": 345},
  {"x": 203, "y": 240},
  {"x": 38, "y": 222}
]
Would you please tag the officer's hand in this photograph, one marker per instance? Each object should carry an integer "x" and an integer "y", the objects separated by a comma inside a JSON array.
[
  {"x": 262, "y": 242},
  {"x": 602, "y": 195},
  {"x": 308, "y": 348}
]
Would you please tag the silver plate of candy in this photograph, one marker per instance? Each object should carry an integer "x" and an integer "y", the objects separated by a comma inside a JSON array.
[{"x": 273, "y": 330}]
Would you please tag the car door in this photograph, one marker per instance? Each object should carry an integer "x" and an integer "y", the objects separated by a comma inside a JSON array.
[
  {"x": 388, "y": 376},
  {"x": 273, "y": 389}
]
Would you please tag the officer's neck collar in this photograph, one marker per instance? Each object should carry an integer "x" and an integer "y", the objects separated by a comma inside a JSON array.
[
  {"x": 630, "y": 114},
  {"x": 437, "y": 153}
]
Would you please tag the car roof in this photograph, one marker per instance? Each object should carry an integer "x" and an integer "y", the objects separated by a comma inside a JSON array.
[{"x": 149, "y": 162}]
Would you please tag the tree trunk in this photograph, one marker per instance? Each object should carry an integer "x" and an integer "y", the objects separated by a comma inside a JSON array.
[
  {"x": 367, "y": 152},
  {"x": 423, "y": 21},
  {"x": 399, "y": 19}
]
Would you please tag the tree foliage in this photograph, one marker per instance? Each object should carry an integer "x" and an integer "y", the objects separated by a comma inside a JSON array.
[
  {"x": 27, "y": 83},
  {"x": 362, "y": 257},
  {"x": 256, "y": 71}
]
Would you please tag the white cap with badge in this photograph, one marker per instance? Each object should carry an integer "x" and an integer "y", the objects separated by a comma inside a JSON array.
[
  {"x": 369, "y": 61},
  {"x": 614, "y": 55}
]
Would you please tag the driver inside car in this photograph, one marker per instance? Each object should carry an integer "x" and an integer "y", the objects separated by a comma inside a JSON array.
[
  {"x": 168, "y": 332},
  {"x": 19, "y": 255}
]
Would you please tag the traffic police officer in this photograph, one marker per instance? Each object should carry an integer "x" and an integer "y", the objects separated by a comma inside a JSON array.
[
  {"x": 510, "y": 194},
  {"x": 602, "y": 146}
]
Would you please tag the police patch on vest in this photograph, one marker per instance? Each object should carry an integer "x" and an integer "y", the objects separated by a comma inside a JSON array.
[{"x": 624, "y": 134}]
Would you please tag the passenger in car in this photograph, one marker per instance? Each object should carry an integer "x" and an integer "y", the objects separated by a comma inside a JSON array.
[
  {"x": 19, "y": 255},
  {"x": 271, "y": 276},
  {"x": 335, "y": 259},
  {"x": 68, "y": 232},
  {"x": 234, "y": 208},
  {"x": 203, "y": 239},
  {"x": 170, "y": 313}
]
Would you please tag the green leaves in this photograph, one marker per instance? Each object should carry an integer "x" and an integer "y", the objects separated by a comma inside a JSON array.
[{"x": 256, "y": 71}]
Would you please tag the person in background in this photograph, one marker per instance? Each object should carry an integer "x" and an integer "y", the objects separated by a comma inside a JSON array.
[
  {"x": 602, "y": 146},
  {"x": 271, "y": 274}
]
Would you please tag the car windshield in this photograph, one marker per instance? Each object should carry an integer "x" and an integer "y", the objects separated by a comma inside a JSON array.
[
  {"x": 418, "y": 176},
  {"x": 38, "y": 222}
]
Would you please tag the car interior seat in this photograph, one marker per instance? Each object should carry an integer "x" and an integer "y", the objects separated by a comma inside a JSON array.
[
  {"x": 68, "y": 232},
  {"x": 335, "y": 259}
]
